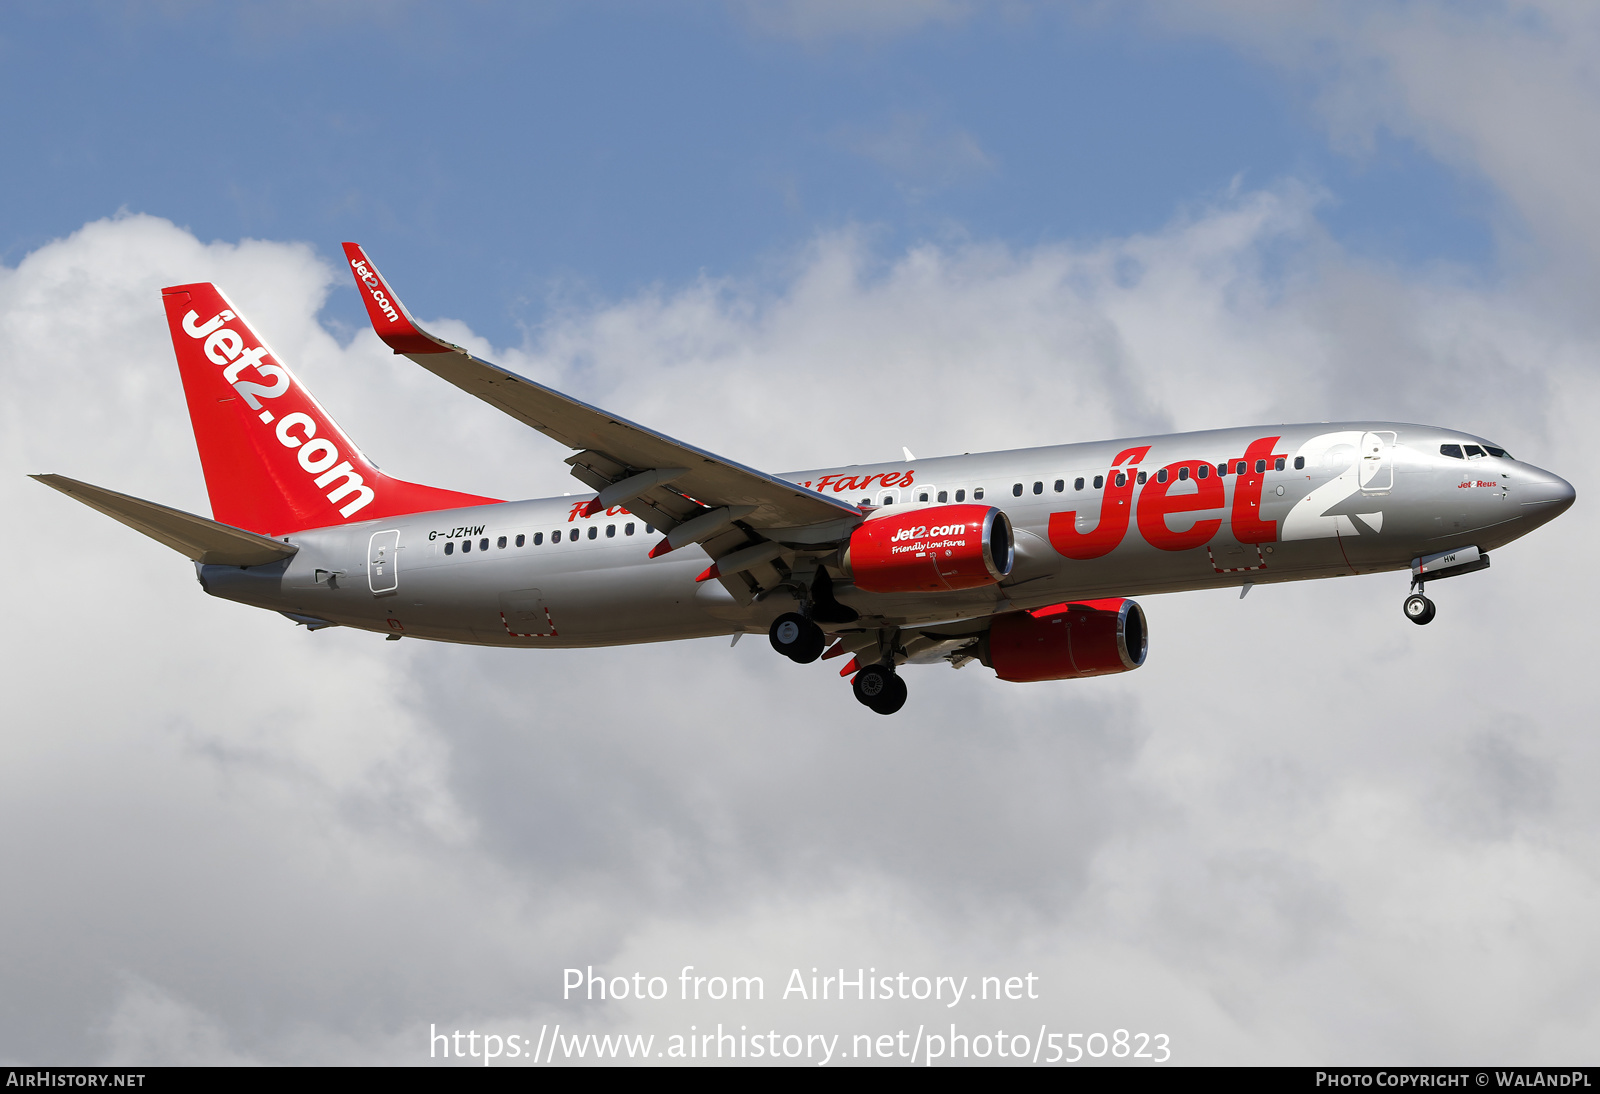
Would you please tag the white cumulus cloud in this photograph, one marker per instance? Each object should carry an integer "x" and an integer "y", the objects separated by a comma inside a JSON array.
[{"x": 1306, "y": 830}]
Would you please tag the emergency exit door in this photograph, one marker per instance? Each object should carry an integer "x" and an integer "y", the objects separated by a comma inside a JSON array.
[{"x": 383, "y": 562}]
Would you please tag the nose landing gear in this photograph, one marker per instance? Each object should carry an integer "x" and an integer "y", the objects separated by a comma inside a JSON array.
[
  {"x": 1463, "y": 560},
  {"x": 1419, "y": 609}
]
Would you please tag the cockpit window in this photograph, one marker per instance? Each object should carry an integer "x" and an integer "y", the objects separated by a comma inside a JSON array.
[
  {"x": 1499, "y": 453},
  {"x": 1451, "y": 450},
  {"x": 1474, "y": 452}
]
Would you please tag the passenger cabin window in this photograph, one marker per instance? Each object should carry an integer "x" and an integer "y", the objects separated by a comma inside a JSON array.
[
  {"x": 1299, "y": 463},
  {"x": 1099, "y": 481},
  {"x": 1077, "y": 484},
  {"x": 538, "y": 539},
  {"x": 922, "y": 496},
  {"x": 649, "y": 528},
  {"x": 977, "y": 494},
  {"x": 450, "y": 547},
  {"x": 1474, "y": 452},
  {"x": 1183, "y": 474},
  {"x": 1161, "y": 476},
  {"x": 555, "y": 537},
  {"x": 501, "y": 542},
  {"x": 944, "y": 496},
  {"x": 1261, "y": 467},
  {"x": 1222, "y": 470},
  {"x": 1016, "y": 491},
  {"x": 1038, "y": 488},
  {"x": 483, "y": 544},
  {"x": 888, "y": 499},
  {"x": 1277, "y": 465},
  {"x": 466, "y": 545},
  {"x": 1141, "y": 478},
  {"x": 961, "y": 495},
  {"x": 594, "y": 531},
  {"x": 1240, "y": 468},
  {"x": 522, "y": 541},
  {"x": 1451, "y": 450},
  {"x": 1205, "y": 471},
  {"x": 1061, "y": 484},
  {"x": 627, "y": 529},
  {"x": 1122, "y": 480},
  {"x": 611, "y": 531}
]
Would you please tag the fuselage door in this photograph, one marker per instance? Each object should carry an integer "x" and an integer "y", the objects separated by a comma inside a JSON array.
[
  {"x": 1377, "y": 462},
  {"x": 383, "y": 562},
  {"x": 525, "y": 615}
]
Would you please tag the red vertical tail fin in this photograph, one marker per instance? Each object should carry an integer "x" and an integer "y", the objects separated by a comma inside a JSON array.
[{"x": 274, "y": 460}]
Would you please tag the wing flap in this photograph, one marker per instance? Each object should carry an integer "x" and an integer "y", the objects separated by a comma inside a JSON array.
[{"x": 198, "y": 538}]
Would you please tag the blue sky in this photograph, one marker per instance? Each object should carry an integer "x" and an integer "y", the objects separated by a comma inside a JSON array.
[{"x": 490, "y": 153}]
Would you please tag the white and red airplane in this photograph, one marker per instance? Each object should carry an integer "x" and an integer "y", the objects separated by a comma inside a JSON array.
[{"x": 1021, "y": 560}]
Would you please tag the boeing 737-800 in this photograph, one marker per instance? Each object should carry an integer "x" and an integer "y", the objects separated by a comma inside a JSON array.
[{"x": 1023, "y": 561}]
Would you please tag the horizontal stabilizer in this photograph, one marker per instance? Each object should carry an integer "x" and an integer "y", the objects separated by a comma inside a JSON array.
[{"x": 202, "y": 540}]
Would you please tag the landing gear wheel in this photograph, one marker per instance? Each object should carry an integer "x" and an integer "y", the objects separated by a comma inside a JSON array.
[
  {"x": 879, "y": 689},
  {"x": 894, "y": 698},
  {"x": 797, "y": 638},
  {"x": 1419, "y": 609}
]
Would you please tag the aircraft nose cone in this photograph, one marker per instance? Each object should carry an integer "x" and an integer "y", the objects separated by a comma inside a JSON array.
[{"x": 1549, "y": 495}]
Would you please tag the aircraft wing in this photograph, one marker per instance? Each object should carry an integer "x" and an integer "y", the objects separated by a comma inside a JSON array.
[
  {"x": 676, "y": 486},
  {"x": 203, "y": 540}
]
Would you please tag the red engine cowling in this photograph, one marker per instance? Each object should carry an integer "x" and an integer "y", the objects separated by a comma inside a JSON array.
[
  {"x": 1066, "y": 641},
  {"x": 934, "y": 550}
]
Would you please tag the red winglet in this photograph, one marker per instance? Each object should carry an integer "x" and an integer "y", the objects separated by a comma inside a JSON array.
[
  {"x": 852, "y": 668},
  {"x": 710, "y": 572},
  {"x": 661, "y": 548},
  {"x": 389, "y": 317}
]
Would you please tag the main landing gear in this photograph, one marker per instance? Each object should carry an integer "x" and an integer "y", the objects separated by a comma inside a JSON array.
[
  {"x": 1419, "y": 609},
  {"x": 880, "y": 689},
  {"x": 797, "y": 638}
]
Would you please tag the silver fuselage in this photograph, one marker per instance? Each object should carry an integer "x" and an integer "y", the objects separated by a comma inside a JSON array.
[{"x": 1347, "y": 509}]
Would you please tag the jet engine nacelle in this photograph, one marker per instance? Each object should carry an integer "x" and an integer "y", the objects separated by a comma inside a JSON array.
[
  {"x": 1066, "y": 641},
  {"x": 933, "y": 550}
]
